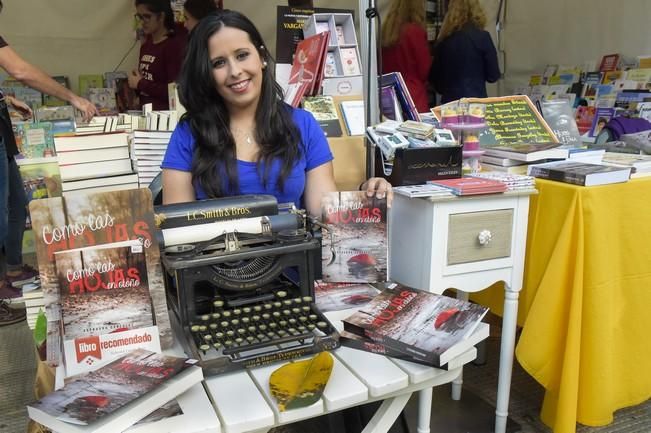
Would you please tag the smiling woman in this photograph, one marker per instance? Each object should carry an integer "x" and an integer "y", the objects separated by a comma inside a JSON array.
[{"x": 238, "y": 136}]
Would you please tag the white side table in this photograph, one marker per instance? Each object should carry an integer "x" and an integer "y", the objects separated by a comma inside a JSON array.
[{"x": 467, "y": 243}]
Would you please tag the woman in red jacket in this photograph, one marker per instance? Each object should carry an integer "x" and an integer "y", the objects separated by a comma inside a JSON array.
[
  {"x": 161, "y": 53},
  {"x": 405, "y": 48}
]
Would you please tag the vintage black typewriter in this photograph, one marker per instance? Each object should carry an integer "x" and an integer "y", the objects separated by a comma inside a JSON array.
[{"x": 243, "y": 290}]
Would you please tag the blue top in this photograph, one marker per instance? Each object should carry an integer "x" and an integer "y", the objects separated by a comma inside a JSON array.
[
  {"x": 314, "y": 148},
  {"x": 463, "y": 62}
]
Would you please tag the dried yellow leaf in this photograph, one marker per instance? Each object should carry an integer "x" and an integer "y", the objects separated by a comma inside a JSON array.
[{"x": 301, "y": 383}]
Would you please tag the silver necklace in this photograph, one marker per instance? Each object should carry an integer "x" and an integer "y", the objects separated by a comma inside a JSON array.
[{"x": 246, "y": 135}]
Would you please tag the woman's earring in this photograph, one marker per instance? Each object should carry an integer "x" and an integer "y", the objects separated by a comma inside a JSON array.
[{"x": 264, "y": 64}]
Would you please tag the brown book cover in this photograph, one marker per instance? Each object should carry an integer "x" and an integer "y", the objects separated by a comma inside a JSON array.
[
  {"x": 354, "y": 248},
  {"x": 89, "y": 219}
]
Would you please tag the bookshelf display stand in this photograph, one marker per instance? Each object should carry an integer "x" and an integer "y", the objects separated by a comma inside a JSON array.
[{"x": 438, "y": 243}]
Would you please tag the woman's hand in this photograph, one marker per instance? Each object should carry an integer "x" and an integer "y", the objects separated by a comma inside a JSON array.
[
  {"x": 379, "y": 187},
  {"x": 134, "y": 78},
  {"x": 23, "y": 109}
]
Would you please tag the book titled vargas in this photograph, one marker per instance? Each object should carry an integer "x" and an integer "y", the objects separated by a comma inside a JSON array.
[
  {"x": 430, "y": 328},
  {"x": 116, "y": 395},
  {"x": 355, "y": 244}
]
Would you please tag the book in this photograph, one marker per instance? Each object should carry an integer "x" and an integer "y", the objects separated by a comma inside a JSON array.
[
  {"x": 94, "y": 280},
  {"x": 104, "y": 100},
  {"x": 330, "y": 68},
  {"x": 341, "y": 40},
  {"x": 601, "y": 117},
  {"x": 497, "y": 160},
  {"x": 355, "y": 247},
  {"x": 342, "y": 296},
  {"x": 117, "y": 395},
  {"x": 88, "y": 81},
  {"x": 86, "y": 219},
  {"x": 389, "y": 104},
  {"x": 353, "y": 112},
  {"x": 324, "y": 111},
  {"x": 95, "y": 169},
  {"x": 429, "y": 327},
  {"x": 407, "y": 107},
  {"x": 528, "y": 152},
  {"x": 580, "y": 173},
  {"x": 349, "y": 61},
  {"x": 423, "y": 190},
  {"x": 470, "y": 186},
  {"x": 68, "y": 143},
  {"x": 609, "y": 62},
  {"x": 110, "y": 79},
  {"x": 99, "y": 182},
  {"x": 309, "y": 62},
  {"x": 34, "y": 140},
  {"x": 559, "y": 115},
  {"x": 93, "y": 155}
]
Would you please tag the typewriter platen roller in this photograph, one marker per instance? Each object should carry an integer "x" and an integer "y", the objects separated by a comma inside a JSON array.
[{"x": 245, "y": 298}]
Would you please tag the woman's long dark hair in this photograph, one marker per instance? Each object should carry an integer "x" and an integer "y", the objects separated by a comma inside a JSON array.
[
  {"x": 209, "y": 120},
  {"x": 160, "y": 6}
]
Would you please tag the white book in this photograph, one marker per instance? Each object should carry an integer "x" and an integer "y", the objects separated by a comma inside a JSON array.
[
  {"x": 140, "y": 133},
  {"x": 104, "y": 188},
  {"x": 47, "y": 411},
  {"x": 104, "y": 181},
  {"x": 163, "y": 120},
  {"x": 95, "y": 169},
  {"x": 67, "y": 143},
  {"x": 93, "y": 155},
  {"x": 353, "y": 112}
]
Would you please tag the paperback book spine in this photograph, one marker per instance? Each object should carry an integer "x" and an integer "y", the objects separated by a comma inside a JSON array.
[
  {"x": 428, "y": 358},
  {"x": 355, "y": 341},
  {"x": 207, "y": 211}
]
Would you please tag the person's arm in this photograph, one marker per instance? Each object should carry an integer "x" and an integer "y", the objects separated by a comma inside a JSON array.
[
  {"x": 33, "y": 77},
  {"x": 177, "y": 186},
  {"x": 318, "y": 181}
]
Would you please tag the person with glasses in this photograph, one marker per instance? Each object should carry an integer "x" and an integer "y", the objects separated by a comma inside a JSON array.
[
  {"x": 12, "y": 194},
  {"x": 161, "y": 53}
]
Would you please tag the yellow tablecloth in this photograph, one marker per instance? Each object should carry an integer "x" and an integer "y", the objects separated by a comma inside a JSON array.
[{"x": 586, "y": 301}]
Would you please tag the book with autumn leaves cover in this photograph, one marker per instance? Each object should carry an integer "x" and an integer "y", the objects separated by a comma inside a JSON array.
[
  {"x": 430, "y": 328},
  {"x": 117, "y": 395}
]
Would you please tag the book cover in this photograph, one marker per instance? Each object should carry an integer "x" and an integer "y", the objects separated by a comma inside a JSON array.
[
  {"x": 609, "y": 62},
  {"x": 104, "y": 100},
  {"x": 601, "y": 117},
  {"x": 421, "y": 324},
  {"x": 87, "y": 219},
  {"x": 349, "y": 61},
  {"x": 324, "y": 111},
  {"x": 559, "y": 115},
  {"x": 94, "y": 281},
  {"x": 53, "y": 101},
  {"x": 580, "y": 173},
  {"x": 353, "y": 112},
  {"x": 110, "y": 78},
  {"x": 89, "y": 81},
  {"x": 407, "y": 107},
  {"x": 341, "y": 40},
  {"x": 331, "y": 69},
  {"x": 470, "y": 185},
  {"x": 116, "y": 395},
  {"x": 34, "y": 140},
  {"x": 355, "y": 246},
  {"x": 342, "y": 296},
  {"x": 309, "y": 60},
  {"x": 584, "y": 117}
]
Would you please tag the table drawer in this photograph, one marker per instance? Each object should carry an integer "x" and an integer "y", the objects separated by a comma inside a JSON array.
[{"x": 477, "y": 236}]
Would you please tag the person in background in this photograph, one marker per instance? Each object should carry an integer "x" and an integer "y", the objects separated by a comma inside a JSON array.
[
  {"x": 195, "y": 10},
  {"x": 405, "y": 48},
  {"x": 464, "y": 55},
  {"x": 12, "y": 194},
  {"x": 238, "y": 136},
  {"x": 161, "y": 53}
]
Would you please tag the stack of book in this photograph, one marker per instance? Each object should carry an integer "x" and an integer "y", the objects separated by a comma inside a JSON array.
[
  {"x": 148, "y": 149},
  {"x": 468, "y": 185},
  {"x": 94, "y": 161},
  {"x": 515, "y": 158},
  {"x": 414, "y": 325},
  {"x": 513, "y": 182},
  {"x": 420, "y": 130},
  {"x": 34, "y": 302},
  {"x": 640, "y": 165}
]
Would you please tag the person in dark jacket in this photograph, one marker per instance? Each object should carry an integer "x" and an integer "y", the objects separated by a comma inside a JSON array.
[{"x": 464, "y": 56}]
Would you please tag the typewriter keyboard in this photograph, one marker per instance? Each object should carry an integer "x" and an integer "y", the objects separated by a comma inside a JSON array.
[{"x": 258, "y": 333}]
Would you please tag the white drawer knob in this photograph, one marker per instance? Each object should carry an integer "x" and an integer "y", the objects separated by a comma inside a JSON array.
[{"x": 484, "y": 237}]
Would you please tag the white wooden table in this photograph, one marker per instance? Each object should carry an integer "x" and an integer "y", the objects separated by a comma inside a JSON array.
[{"x": 243, "y": 401}]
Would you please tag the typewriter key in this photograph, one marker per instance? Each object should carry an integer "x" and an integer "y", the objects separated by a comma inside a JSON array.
[
  {"x": 205, "y": 318},
  {"x": 226, "y": 314},
  {"x": 230, "y": 333},
  {"x": 292, "y": 321},
  {"x": 218, "y": 304},
  {"x": 311, "y": 326},
  {"x": 273, "y": 325},
  {"x": 241, "y": 331},
  {"x": 282, "y": 332},
  {"x": 246, "y": 310},
  {"x": 219, "y": 335},
  {"x": 250, "y": 339},
  {"x": 235, "y": 322},
  {"x": 268, "y": 306},
  {"x": 276, "y": 314},
  {"x": 252, "y": 329},
  {"x": 217, "y": 345},
  {"x": 262, "y": 327},
  {"x": 255, "y": 318},
  {"x": 203, "y": 328},
  {"x": 207, "y": 337},
  {"x": 322, "y": 325},
  {"x": 302, "y": 328},
  {"x": 287, "y": 302},
  {"x": 302, "y": 319},
  {"x": 296, "y": 310},
  {"x": 277, "y": 304},
  {"x": 287, "y": 313},
  {"x": 237, "y": 311},
  {"x": 266, "y": 316},
  {"x": 224, "y": 324},
  {"x": 306, "y": 308},
  {"x": 239, "y": 340},
  {"x": 281, "y": 293},
  {"x": 312, "y": 316},
  {"x": 204, "y": 347},
  {"x": 228, "y": 343},
  {"x": 307, "y": 299},
  {"x": 261, "y": 337},
  {"x": 282, "y": 323},
  {"x": 194, "y": 328},
  {"x": 213, "y": 326},
  {"x": 245, "y": 320},
  {"x": 257, "y": 308}
]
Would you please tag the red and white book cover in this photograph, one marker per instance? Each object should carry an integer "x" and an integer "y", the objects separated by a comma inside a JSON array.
[
  {"x": 471, "y": 185},
  {"x": 421, "y": 324},
  {"x": 140, "y": 380},
  {"x": 103, "y": 289},
  {"x": 355, "y": 246},
  {"x": 342, "y": 296},
  {"x": 309, "y": 60}
]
